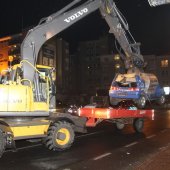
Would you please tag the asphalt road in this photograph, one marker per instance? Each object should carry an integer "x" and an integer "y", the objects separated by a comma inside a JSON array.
[{"x": 103, "y": 148}]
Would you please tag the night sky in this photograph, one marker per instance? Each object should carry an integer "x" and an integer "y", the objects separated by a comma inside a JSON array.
[{"x": 148, "y": 25}]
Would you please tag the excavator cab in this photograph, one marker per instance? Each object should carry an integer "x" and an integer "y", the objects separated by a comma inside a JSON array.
[{"x": 17, "y": 94}]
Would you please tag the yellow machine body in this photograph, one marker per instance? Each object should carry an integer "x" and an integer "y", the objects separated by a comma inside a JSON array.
[
  {"x": 17, "y": 98},
  {"x": 30, "y": 129}
]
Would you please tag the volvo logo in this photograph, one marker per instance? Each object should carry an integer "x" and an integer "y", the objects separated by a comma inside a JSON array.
[{"x": 76, "y": 15}]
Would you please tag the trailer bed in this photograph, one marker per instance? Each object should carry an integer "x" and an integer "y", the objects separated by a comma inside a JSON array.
[{"x": 94, "y": 114}]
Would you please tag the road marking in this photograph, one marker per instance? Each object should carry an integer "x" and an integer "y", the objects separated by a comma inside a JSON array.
[
  {"x": 162, "y": 131},
  {"x": 131, "y": 144},
  {"x": 26, "y": 147},
  {"x": 89, "y": 134},
  {"x": 163, "y": 148},
  {"x": 32, "y": 146},
  {"x": 151, "y": 136},
  {"x": 101, "y": 156}
]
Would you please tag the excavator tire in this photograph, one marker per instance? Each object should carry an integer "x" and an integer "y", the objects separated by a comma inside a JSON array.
[
  {"x": 2, "y": 143},
  {"x": 60, "y": 136}
]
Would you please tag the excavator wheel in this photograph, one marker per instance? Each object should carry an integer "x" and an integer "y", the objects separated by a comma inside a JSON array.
[
  {"x": 60, "y": 136},
  {"x": 2, "y": 143}
]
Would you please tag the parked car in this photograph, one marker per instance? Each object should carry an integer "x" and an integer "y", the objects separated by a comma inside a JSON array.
[{"x": 140, "y": 88}]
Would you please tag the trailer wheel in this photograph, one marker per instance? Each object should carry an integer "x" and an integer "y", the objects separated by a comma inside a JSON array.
[
  {"x": 60, "y": 136},
  {"x": 120, "y": 125},
  {"x": 161, "y": 100},
  {"x": 113, "y": 101},
  {"x": 138, "y": 124},
  {"x": 2, "y": 143},
  {"x": 141, "y": 102}
]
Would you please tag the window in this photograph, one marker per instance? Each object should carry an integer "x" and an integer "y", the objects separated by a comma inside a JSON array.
[{"x": 164, "y": 63}]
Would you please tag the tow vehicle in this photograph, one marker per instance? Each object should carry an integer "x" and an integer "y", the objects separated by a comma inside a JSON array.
[{"x": 27, "y": 92}]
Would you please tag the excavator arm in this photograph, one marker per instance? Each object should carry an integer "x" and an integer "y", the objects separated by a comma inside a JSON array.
[
  {"x": 59, "y": 21},
  {"x": 119, "y": 27},
  {"x": 48, "y": 28}
]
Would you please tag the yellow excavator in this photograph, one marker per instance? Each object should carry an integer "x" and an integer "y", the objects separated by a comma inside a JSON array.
[{"x": 27, "y": 90}]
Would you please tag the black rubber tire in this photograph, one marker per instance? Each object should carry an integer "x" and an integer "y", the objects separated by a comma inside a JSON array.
[
  {"x": 120, "y": 125},
  {"x": 138, "y": 124},
  {"x": 141, "y": 102},
  {"x": 2, "y": 143},
  {"x": 113, "y": 101},
  {"x": 53, "y": 131},
  {"x": 161, "y": 100}
]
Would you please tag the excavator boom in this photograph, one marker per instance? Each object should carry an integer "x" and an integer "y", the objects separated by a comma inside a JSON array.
[{"x": 61, "y": 20}]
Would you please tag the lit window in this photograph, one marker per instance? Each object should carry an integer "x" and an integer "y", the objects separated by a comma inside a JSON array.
[
  {"x": 117, "y": 66},
  {"x": 117, "y": 57},
  {"x": 164, "y": 63}
]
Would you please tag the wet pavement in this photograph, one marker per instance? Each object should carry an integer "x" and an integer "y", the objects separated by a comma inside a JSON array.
[
  {"x": 157, "y": 161},
  {"x": 103, "y": 148}
]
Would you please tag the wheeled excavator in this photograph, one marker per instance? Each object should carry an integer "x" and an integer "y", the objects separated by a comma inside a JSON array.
[{"x": 27, "y": 110}]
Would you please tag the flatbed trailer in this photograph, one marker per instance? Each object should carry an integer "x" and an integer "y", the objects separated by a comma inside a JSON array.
[{"x": 118, "y": 116}]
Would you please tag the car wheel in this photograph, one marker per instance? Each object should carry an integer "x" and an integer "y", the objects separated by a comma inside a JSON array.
[
  {"x": 113, "y": 101},
  {"x": 138, "y": 124},
  {"x": 141, "y": 102},
  {"x": 161, "y": 100}
]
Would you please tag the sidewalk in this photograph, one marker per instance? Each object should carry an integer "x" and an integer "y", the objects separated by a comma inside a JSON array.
[{"x": 158, "y": 161}]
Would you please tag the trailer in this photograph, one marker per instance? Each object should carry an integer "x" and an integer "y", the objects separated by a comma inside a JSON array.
[{"x": 119, "y": 116}]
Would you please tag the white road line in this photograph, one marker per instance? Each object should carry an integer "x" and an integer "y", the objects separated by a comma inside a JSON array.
[
  {"x": 89, "y": 134},
  {"x": 32, "y": 146},
  {"x": 162, "y": 131},
  {"x": 26, "y": 147},
  {"x": 131, "y": 144},
  {"x": 151, "y": 136},
  {"x": 101, "y": 156},
  {"x": 163, "y": 148}
]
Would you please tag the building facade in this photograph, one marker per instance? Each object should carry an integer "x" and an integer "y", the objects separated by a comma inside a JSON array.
[
  {"x": 55, "y": 53},
  {"x": 96, "y": 65},
  {"x": 160, "y": 66}
]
